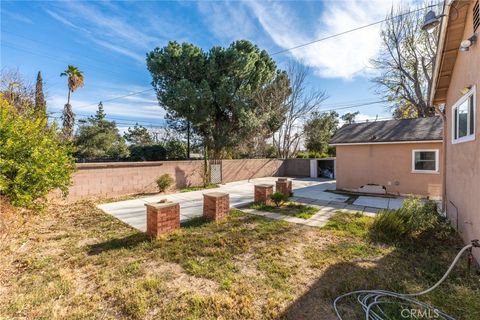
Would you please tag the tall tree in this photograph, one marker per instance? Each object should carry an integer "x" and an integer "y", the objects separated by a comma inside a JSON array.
[
  {"x": 319, "y": 129},
  {"x": 138, "y": 135},
  {"x": 349, "y": 117},
  {"x": 99, "y": 138},
  {"x": 17, "y": 91},
  {"x": 405, "y": 62},
  {"x": 301, "y": 103},
  {"x": 75, "y": 81},
  {"x": 184, "y": 128},
  {"x": 40, "y": 104},
  {"x": 213, "y": 90}
]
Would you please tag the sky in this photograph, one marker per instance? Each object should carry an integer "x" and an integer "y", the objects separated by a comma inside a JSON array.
[{"x": 108, "y": 41}]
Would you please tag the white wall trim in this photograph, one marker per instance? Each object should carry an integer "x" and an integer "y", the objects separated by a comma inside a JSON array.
[
  {"x": 391, "y": 142},
  {"x": 437, "y": 165},
  {"x": 462, "y": 99}
]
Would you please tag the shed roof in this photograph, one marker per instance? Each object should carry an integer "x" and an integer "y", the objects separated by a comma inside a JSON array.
[{"x": 420, "y": 129}]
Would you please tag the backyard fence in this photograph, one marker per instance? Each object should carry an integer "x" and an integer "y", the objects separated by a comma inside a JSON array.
[{"x": 108, "y": 180}]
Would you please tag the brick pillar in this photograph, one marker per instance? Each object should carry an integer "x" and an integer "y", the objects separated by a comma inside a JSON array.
[
  {"x": 262, "y": 193},
  {"x": 283, "y": 185},
  {"x": 162, "y": 218},
  {"x": 216, "y": 205}
]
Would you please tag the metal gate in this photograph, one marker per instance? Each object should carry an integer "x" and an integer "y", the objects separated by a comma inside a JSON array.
[{"x": 216, "y": 171}]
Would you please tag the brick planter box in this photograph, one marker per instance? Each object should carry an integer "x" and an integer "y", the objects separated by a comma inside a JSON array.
[
  {"x": 262, "y": 193},
  {"x": 162, "y": 218},
  {"x": 216, "y": 205},
  {"x": 283, "y": 185}
]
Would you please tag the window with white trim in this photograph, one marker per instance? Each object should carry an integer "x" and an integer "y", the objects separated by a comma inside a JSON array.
[
  {"x": 425, "y": 160},
  {"x": 463, "y": 118}
]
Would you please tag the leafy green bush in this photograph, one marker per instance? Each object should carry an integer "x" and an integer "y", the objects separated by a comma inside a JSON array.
[
  {"x": 164, "y": 182},
  {"x": 154, "y": 152},
  {"x": 278, "y": 198},
  {"x": 408, "y": 222},
  {"x": 311, "y": 154},
  {"x": 33, "y": 157}
]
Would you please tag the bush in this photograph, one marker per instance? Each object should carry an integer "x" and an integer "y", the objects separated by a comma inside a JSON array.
[
  {"x": 34, "y": 159},
  {"x": 154, "y": 152},
  {"x": 164, "y": 182},
  {"x": 408, "y": 222},
  {"x": 311, "y": 154},
  {"x": 176, "y": 150},
  {"x": 278, "y": 198}
]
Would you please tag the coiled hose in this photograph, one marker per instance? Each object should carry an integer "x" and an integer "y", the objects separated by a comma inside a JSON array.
[{"x": 373, "y": 301}]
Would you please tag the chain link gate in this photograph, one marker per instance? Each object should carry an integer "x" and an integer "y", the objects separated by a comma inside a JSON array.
[{"x": 216, "y": 171}]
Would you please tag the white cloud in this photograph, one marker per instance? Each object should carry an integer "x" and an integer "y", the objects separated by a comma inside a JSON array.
[
  {"x": 227, "y": 20},
  {"x": 342, "y": 57},
  {"x": 114, "y": 31},
  {"x": 16, "y": 16}
]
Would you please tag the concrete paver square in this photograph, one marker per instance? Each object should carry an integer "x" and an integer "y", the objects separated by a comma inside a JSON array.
[
  {"x": 375, "y": 202},
  {"x": 241, "y": 193}
]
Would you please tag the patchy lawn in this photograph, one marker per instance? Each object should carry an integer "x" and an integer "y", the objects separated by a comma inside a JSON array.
[
  {"x": 76, "y": 262},
  {"x": 289, "y": 208},
  {"x": 208, "y": 186}
]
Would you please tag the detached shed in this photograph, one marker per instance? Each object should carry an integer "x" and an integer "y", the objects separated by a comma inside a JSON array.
[{"x": 396, "y": 156}]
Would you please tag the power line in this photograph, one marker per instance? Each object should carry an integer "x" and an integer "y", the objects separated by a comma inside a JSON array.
[
  {"x": 275, "y": 53},
  {"x": 351, "y": 30}
]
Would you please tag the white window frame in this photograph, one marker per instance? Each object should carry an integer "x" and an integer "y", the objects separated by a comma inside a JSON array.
[
  {"x": 425, "y": 171},
  {"x": 465, "y": 97}
]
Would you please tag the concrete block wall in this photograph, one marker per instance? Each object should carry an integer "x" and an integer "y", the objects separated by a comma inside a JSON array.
[
  {"x": 296, "y": 168},
  {"x": 244, "y": 169},
  {"x": 115, "y": 179},
  {"x": 106, "y": 180}
]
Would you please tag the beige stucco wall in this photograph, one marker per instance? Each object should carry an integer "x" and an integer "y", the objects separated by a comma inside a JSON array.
[
  {"x": 389, "y": 165},
  {"x": 463, "y": 159}
]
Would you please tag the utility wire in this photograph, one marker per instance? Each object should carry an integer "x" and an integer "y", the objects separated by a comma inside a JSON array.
[
  {"x": 351, "y": 30},
  {"x": 275, "y": 53}
]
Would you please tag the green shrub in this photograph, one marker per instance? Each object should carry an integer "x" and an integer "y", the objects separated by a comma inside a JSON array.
[
  {"x": 311, "y": 154},
  {"x": 408, "y": 222},
  {"x": 34, "y": 159},
  {"x": 154, "y": 152},
  {"x": 278, "y": 198},
  {"x": 164, "y": 182}
]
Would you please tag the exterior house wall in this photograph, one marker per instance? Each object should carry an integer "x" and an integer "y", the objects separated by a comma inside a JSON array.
[
  {"x": 463, "y": 159},
  {"x": 389, "y": 165}
]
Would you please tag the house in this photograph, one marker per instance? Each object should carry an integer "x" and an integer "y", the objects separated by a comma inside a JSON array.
[
  {"x": 455, "y": 91},
  {"x": 396, "y": 157}
]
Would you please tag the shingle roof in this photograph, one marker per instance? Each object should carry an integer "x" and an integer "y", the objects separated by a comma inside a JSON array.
[{"x": 420, "y": 129}]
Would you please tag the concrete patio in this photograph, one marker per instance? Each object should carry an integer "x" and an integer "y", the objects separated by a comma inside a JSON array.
[{"x": 306, "y": 190}]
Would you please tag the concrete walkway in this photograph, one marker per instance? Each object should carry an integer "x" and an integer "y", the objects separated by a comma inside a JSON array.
[
  {"x": 319, "y": 219},
  {"x": 312, "y": 192},
  {"x": 133, "y": 211}
]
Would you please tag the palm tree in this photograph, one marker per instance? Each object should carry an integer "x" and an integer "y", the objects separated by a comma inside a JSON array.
[{"x": 75, "y": 81}]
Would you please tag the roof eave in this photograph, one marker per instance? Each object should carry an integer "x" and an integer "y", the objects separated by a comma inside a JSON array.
[
  {"x": 385, "y": 142},
  {"x": 439, "y": 54}
]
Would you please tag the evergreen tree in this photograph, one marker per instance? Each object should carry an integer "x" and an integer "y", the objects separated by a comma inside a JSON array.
[
  {"x": 99, "y": 138},
  {"x": 40, "y": 104},
  {"x": 138, "y": 135}
]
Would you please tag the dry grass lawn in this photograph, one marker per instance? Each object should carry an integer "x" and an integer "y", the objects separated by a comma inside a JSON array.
[{"x": 75, "y": 262}]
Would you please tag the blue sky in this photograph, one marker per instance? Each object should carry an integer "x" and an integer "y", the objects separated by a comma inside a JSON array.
[{"x": 108, "y": 41}]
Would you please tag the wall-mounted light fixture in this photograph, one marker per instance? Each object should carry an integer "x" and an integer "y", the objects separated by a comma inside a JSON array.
[
  {"x": 466, "y": 44},
  {"x": 432, "y": 20}
]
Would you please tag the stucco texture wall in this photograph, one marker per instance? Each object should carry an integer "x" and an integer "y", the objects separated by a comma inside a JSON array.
[
  {"x": 389, "y": 165},
  {"x": 463, "y": 159}
]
